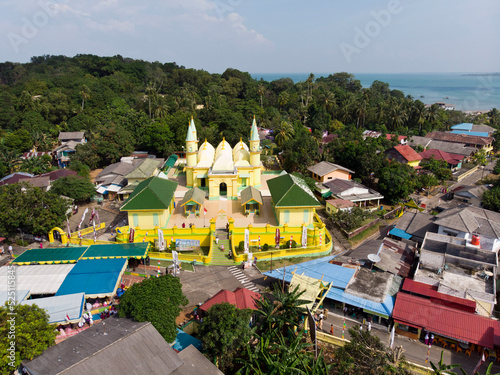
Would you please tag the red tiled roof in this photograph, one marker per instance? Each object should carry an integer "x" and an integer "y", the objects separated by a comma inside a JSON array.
[
  {"x": 389, "y": 137},
  {"x": 442, "y": 320},
  {"x": 407, "y": 152},
  {"x": 442, "y": 155},
  {"x": 242, "y": 298},
  {"x": 427, "y": 290}
]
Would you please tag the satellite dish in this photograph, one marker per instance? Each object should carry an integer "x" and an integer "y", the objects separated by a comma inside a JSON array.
[{"x": 374, "y": 258}]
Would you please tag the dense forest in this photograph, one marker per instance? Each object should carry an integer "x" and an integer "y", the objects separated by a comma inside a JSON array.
[{"x": 124, "y": 105}]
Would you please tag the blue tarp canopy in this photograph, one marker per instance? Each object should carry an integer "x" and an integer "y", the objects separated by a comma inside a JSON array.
[
  {"x": 400, "y": 233},
  {"x": 385, "y": 308},
  {"x": 318, "y": 269},
  {"x": 97, "y": 278},
  {"x": 60, "y": 306},
  {"x": 183, "y": 340}
]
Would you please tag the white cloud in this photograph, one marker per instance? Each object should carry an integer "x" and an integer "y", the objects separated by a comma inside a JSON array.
[{"x": 112, "y": 25}]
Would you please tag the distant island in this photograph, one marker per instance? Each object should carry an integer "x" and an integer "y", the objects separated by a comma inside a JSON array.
[{"x": 481, "y": 74}]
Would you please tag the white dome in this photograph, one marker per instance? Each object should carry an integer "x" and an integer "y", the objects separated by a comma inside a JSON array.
[
  {"x": 223, "y": 157},
  {"x": 206, "y": 155},
  {"x": 241, "y": 156}
]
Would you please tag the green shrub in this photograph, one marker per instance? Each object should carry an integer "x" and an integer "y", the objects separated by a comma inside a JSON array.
[{"x": 265, "y": 247}]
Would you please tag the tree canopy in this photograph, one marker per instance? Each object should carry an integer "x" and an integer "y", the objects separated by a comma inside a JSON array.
[
  {"x": 225, "y": 331},
  {"x": 78, "y": 188},
  {"x": 32, "y": 334},
  {"x": 158, "y": 300},
  {"x": 30, "y": 209}
]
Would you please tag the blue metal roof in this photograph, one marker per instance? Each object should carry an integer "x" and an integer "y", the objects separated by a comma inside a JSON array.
[
  {"x": 400, "y": 233},
  {"x": 385, "y": 308},
  {"x": 317, "y": 268},
  {"x": 96, "y": 278},
  {"x": 479, "y": 134},
  {"x": 462, "y": 126}
]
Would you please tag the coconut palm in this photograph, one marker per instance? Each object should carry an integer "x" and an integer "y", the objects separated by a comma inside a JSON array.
[
  {"x": 85, "y": 93},
  {"x": 283, "y": 133},
  {"x": 261, "y": 90}
]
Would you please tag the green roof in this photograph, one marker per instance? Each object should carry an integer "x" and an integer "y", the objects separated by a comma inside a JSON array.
[
  {"x": 191, "y": 133},
  {"x": 152, "y": 194},
  {"x": 290, "y": 191},
  {"x": 171, "y": 161},
  {"x": 250, "y": 193},
  {"x": 254, "y": 133},
  {"x": 195, "y": 194},
  {"x": 57, "y": 255},
  {"x": 145, "y": 169},
  {"x": 128, "y": 250}
]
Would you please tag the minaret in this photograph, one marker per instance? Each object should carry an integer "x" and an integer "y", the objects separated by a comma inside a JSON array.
[
  {"x": 191, "y": 152},
  {"x": 191, "y": 145},
  {"x": 255, "y": 153},
  {"x": 254, "y": 145}
]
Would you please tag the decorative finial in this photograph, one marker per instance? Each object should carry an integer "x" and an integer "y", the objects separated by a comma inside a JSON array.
[
  {"x": 254, "y": 117},
  {"x": 205, "y": 144},
  {"x": 191, "y": 117}
]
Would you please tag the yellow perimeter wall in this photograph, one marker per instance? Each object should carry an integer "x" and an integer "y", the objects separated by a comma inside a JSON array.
[{"x": 267, "y": 235}]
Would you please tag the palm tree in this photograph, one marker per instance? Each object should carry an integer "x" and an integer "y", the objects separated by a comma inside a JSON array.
[
  {"x": 261, "y": 91},
  {"x": 398, "y": 117},
  {"x": 442, "y": 368},
  {"x": 10, "y": 158},
  {"x": 328, "y": 101},
  {"x": 85, "y": 93},
  {"x": 283, "y": 133},
  {"x": 346, "y": 106},
  {"x": 494, "y": 118},
  {"x": 432, "y": 114},
  {"x": 283, "y": 98},
  {"x": 419, "y": 112}
]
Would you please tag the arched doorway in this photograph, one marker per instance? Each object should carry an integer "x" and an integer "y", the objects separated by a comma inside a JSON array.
[{"x": 223, "y": 189}]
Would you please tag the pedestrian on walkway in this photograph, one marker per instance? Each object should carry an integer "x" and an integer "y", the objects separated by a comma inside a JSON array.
[
  {"x": 216, "y": 240},
  {"x": 10, "y": 251},
  {"x": 431, "y": 340},
  {"x": 321, "y": 317},
  {"x": 361, "y": 327},
  {"x": 369, "y": 326},
  {"x": 331, "y": 330},
  {"x": 426, "y": 338}
]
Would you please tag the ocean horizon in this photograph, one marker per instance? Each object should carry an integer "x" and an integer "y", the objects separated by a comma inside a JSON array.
[{"x": 467, "y": 91}]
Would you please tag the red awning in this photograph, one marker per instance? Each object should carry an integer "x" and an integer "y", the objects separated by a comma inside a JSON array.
[
  {"x": 446, "y": 321},
  {"x": 2, "y": 239}
]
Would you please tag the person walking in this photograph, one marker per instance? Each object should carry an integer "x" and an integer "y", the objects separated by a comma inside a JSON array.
[
  {"x": 11, "y": 252},
  {"x": 369, "y": 326}
]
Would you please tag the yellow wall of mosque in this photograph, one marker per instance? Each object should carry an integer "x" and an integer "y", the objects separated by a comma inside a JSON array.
[
  {"x": 148, "y": 218},
  {"x": 295, "y": 216}
]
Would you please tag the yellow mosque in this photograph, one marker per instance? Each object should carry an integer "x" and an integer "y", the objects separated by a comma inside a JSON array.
[{"x": 224, "y": 170}]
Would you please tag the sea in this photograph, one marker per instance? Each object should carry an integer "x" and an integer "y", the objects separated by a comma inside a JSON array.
[{"x": 467, "y": 92}]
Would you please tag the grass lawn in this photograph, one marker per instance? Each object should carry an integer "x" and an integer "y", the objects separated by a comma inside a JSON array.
[
  {"x": 265, "y": 265},
  {"x": 360, "y": 237}
]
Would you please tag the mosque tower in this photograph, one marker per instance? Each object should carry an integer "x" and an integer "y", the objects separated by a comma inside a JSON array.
[
  {"x": 191, "y": 152},
  {"x": 255, "y": 152}
]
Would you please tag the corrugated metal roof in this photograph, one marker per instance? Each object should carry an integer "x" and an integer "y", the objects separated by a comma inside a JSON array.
[
  {"x": 320, "y": 269},
  {"x": 52, "y": 255},
  {"x": 478, "y": 134},
  {"x": 430, "y": 291},
  {"x": 400, "y": 233},
  {"x": 38, "y": 279},
  {"x": 446, "y": 321},
  {"x": 324, "y": 167},
  {"x": 462, "y": 126},
  {"x": 385, "y": 308}
]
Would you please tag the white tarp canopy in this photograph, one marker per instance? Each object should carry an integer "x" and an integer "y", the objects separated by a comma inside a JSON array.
[
  {"x": 60, "y": 306},
  {"x": 38, "y": 279},
  {"x": 19, "y": 295}
]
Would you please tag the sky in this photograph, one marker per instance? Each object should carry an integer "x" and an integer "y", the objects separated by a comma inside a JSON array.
[{"x": 262, "y": 36}]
